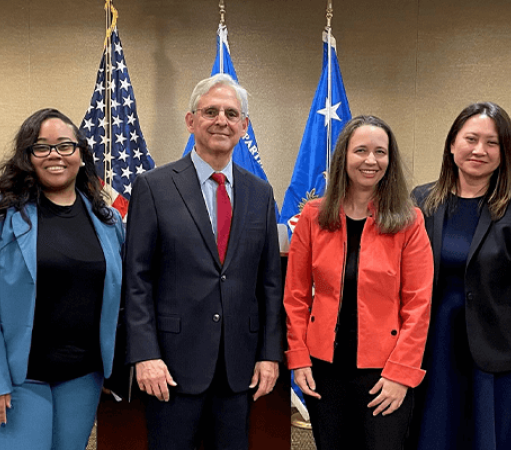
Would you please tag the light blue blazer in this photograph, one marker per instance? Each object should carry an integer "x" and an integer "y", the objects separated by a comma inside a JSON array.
[{"x": 18, "y": 277}]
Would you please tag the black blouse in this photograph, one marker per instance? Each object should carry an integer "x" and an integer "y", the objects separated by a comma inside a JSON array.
[
  {"x": 69, "y": 293},
  {"x": 346, "y": 338}
]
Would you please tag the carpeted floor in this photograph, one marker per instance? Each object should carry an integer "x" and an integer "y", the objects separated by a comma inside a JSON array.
[
  {"x": 92, "y": 440},
  {"x": 300, "y": 440}
]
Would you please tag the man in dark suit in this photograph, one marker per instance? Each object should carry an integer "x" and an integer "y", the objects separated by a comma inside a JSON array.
[{"x": 204, "y": 327}]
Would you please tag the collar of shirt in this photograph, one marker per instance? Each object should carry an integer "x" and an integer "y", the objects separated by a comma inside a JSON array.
[{"x": 204, "y": 171}]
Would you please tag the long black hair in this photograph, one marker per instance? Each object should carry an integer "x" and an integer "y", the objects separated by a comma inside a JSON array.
[
  {"x": 19, "y": 184},
  {"x": 498, "y": 194}
]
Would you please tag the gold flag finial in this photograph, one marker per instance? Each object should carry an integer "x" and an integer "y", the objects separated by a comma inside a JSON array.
[
  {"x": 221, "y": 5},
  {"x": 329, "y": 13},
  {"x": 112, "y": 16}
]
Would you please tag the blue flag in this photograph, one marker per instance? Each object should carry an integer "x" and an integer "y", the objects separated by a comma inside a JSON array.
[
  {"x": 246, "y": 153},
  {"x": 130, "y": 156},
  {"x": 309, "y": 175}
]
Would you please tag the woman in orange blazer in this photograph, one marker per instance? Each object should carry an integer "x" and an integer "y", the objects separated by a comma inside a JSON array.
[{"x": 358, "y": 295}]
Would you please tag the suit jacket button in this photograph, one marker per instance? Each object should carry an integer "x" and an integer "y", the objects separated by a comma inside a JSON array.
[
  {"x": 393, "y": 332},
  {"x": 216, "y": 318},
  {"x": 223, "y": 278}
]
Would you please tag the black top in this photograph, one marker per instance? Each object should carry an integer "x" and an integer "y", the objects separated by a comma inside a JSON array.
[
  {"x": 69, "y": 293},
  {"x": 346, "y": 339}
]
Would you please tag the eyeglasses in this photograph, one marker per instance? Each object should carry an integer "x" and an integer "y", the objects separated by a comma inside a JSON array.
[
  {"x": 210, "y": 113},
  {"x": 63, "y": 149}
]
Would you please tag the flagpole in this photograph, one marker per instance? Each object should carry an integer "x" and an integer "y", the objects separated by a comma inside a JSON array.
[
  {"x": 120, "y": 156},
  {"x": 108, "y": 98},
  {"x": 221, "y": 28},
  {"x": 329, "y": 15}
]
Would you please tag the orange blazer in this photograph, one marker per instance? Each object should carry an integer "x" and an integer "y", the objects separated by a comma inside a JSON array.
[{"x": 395, "y": 278}]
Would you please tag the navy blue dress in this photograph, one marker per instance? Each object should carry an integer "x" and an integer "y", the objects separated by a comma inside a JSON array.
[{"x": 463, "y": 407}]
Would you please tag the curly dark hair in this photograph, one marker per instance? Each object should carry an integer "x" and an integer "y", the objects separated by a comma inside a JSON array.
[{"x": 19, "y": 184}]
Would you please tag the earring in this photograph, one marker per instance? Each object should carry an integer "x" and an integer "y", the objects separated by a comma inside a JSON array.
[{"x": 82, "y": 164}]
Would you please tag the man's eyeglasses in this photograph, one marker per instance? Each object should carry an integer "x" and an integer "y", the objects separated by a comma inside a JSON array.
[
  {"x": 210, "y": 113},
  {"x": 63, "y": 149}
]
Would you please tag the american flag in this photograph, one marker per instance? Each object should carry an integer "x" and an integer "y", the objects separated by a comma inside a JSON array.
[{"x": 130, "y": 155}]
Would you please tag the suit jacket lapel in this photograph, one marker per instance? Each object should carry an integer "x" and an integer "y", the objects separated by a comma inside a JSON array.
[
  {"x": 241, "y": 204},
  {"x": 110, "y": 242},
  {"x": 27, "y": 237},
  {"x": 187, "y": 184},
  {"x": 482, "y": 228}
]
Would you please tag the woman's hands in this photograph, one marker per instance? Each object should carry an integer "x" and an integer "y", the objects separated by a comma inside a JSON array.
[
  {"x": 5, "y": 402},
  {"x": 305, "y": 381},
  {"x": 390, "y": 398}
]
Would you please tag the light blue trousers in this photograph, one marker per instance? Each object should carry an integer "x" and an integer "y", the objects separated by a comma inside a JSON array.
[{"x": 56, "y": 416}]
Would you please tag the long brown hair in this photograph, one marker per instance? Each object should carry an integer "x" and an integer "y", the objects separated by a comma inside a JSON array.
[
  {"x": 391, "y": 198},
  {"x": 498, "y": 194}
]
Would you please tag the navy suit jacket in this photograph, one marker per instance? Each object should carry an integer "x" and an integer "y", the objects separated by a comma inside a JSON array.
[
  {"x": 181, "y": 302},
  {"x": 487, "y": 283}
]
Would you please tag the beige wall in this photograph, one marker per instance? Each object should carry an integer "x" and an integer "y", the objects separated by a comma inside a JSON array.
[{"x": 415, "y": 63}]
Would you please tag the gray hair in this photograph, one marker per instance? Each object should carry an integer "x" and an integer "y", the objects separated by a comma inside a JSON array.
[{"x": 204, "y": 86}]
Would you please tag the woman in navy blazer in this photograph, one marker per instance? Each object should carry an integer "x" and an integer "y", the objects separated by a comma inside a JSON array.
[
  {"x": 60, "y": 282},
  {"x": 465, "y": 400}
]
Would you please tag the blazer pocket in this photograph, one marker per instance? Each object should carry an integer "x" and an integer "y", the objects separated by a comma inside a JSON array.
[
  {"x": 253, "y": 324},
  {"x": 169, "y": 324}
]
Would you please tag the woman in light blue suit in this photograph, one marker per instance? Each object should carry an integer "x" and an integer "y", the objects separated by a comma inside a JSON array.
[{"x": 60, "y": 282}]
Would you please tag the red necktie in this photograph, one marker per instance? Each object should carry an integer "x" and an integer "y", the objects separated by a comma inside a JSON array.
[{"x": 223, "y": 215}]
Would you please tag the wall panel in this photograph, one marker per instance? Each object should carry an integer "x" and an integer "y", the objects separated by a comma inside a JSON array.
[{"x": 415, "y": 63}]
